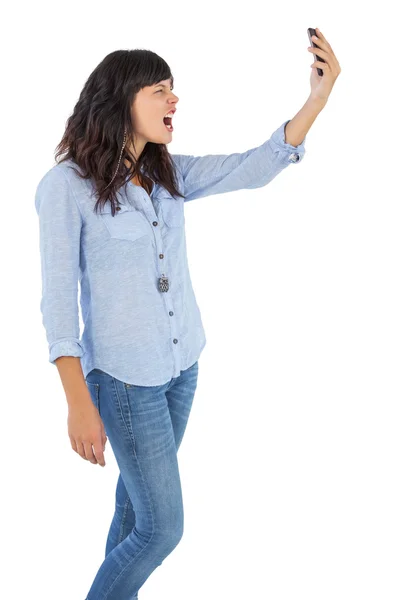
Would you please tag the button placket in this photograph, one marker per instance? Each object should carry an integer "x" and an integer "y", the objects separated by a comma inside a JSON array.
[{"x": 163, "y": 280}]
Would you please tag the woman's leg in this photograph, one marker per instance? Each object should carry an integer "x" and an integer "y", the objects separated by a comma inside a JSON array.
[
  {"x": 180, "y": 397},
  {"x": 145, "y": 426},
  {"x": 123, "y": 521},
  {"x": 124, "y": 518}
]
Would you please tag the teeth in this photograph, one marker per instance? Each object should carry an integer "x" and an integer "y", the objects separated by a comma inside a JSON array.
[{"x": 170, "y": 114}]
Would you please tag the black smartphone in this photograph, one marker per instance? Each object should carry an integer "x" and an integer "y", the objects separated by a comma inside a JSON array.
[{"x": 312, "y": 32}]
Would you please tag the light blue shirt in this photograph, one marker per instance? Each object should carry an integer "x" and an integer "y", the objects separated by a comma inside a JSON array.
[{"x": 132, "y": 330}]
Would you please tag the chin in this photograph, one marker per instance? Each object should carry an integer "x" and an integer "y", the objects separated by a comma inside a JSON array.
[{"x": 161, "y": 139}]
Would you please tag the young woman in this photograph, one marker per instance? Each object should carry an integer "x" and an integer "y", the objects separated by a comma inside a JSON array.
[{"x": 111, "y": 215}]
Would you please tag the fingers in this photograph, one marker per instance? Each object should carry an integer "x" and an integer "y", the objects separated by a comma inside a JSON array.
[
  {"x": 91, "y": 451},
  {"x": 320, "y": 65},
  {"x": 73, "y": 444},
  {"x": 98, "y": 452},
  {"x": 79, "y": 448},
  {"x": 321, "y": 53},
  {"x": 323, "y": 38},
  {"x": 88, "y": 450},
  {"x": 329, "y": 58},
  {"x": 326, "y": 51}
]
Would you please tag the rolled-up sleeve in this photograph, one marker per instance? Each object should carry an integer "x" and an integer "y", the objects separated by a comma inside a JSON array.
[
  {"x": 60, "y": 225},
  {"x": 219, "y": 173}
]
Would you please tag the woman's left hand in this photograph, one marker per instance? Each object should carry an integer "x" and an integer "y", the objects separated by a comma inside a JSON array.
[{"x": 321, "y": 86}]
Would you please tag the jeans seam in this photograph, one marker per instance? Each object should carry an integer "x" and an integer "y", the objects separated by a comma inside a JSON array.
[{"x": 125, "y": 511}]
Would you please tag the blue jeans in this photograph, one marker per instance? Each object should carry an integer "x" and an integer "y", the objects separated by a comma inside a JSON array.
[{"x": 145, "y": 426}]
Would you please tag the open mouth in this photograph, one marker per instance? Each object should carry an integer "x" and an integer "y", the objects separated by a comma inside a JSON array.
[{"x": 168, "y": 123}]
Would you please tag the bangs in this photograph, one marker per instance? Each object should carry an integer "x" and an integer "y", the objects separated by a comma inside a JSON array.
[{"x": 153, "y": 70}]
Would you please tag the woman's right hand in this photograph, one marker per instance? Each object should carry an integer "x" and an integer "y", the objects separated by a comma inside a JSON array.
[{"x": 86, "y": 429}]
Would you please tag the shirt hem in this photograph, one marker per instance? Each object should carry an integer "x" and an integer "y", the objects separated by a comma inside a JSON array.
[{"x": 97, "y": 365}]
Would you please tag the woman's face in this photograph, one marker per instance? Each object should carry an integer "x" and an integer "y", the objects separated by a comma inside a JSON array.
[{"x": 149, "y": 108}]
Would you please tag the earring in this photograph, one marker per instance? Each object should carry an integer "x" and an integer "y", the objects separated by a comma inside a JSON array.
[{"x": 120, "y": 156}]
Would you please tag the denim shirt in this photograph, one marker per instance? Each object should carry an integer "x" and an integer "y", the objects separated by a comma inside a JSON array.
[{"x": 133, "y": 330}]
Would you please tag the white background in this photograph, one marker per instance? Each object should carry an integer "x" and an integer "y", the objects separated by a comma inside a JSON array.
[{"x": 290, "y": 461}]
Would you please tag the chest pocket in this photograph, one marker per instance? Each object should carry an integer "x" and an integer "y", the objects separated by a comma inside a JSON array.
[
  {"x": 172, "y": 208},
  {"x": 127, "y": 223}
]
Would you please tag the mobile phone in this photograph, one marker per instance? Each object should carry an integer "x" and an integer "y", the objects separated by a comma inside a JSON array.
[{"x": 312, "y": 32}]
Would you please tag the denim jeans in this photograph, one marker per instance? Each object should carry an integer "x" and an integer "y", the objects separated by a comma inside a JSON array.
[{"x": 145, "y": 427}]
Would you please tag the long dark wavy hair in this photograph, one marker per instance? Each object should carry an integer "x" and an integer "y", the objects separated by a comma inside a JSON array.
[{"x": 94, "y": 133}]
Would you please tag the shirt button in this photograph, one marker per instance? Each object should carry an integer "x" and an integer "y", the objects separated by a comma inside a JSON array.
[
  {"x": 118, "y": 208},
  {"x": 294, "y": 157},
  {"x": 155, "y": 223},
  {"x": 161, "y": 255},
  {"x": 175, "y": 341},
  {"x": 170, "y": 313}
]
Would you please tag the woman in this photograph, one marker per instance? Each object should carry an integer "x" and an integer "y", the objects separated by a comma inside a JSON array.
[{"x": 111, "y": 215}]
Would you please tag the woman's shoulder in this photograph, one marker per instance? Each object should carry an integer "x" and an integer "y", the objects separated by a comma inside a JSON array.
[
  {"x": 62, "y": 173},
  {"x": 60, "y": 180}
]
